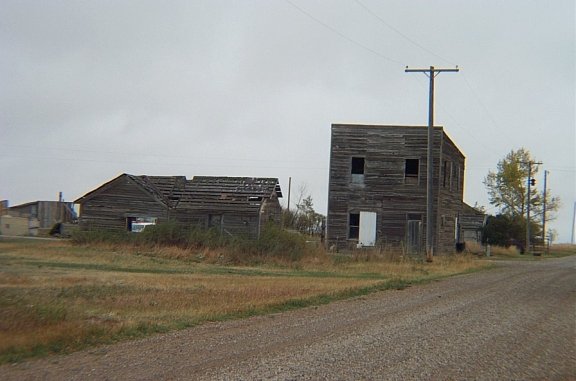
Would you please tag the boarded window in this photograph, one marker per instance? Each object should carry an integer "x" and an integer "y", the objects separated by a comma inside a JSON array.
[
  {"x": 367, "y": 233},
  {"x": 411, "y": 169},
  {"x": 214, "y": 221},
  {"x": 354, "y": 225},
  {"x": 413, "y": 232}
]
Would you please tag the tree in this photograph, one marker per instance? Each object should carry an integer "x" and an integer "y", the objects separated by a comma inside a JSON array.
[
  {"x": 504, "y": 230},
  {"x": 507, "y": 188},
  {"x": 307, "y": 220},
  {"x": 304, "y": 218}
]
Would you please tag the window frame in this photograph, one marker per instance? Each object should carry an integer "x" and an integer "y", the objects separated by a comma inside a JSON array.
[
  {"x": 357, "y": 176},
  {"x": 411, "y": 178},
  {"x": 353, "y": 230}
]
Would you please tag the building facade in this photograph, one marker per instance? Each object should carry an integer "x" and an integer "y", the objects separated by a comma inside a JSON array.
[
  {"x": 377, "y": 188},
  {"x": 236, "y": 206}
]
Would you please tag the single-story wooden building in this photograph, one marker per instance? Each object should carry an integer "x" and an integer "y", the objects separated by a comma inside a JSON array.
[
  {"x": 234, "y": 205},
  {"x": 471, "y": 221}
]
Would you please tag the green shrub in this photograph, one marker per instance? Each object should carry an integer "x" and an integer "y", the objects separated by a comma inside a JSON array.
[
  {"x": 86, "y": 237},
  {"x": 274, "y": 242},
  {"x": 277, "y": 242},
  {"x": 165, "y": 234},
  {"x": 209, "y": 238}
]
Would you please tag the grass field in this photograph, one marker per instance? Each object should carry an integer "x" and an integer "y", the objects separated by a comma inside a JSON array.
[
  {"x": 57, "y": 298},
  {"x": 498, "y": 252}
]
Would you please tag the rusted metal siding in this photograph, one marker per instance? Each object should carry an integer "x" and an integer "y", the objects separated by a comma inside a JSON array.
[{"x": 385, "y": 189}]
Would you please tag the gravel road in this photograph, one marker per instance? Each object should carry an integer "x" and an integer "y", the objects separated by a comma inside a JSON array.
[{"x": 517, "y": 322}]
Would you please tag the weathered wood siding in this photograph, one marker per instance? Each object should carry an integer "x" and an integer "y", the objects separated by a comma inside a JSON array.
[
  {"x": 472, "y": 222},
  {"x": 114, "y": 203},
  {"x": 449, "y": 196},
  {"x": 384, "y": 189},
  {"x": 232, "y": 223},
  {"x": 237, "y": 206}
]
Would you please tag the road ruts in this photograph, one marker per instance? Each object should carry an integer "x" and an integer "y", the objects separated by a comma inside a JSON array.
[{"x": 516, "y": 322}]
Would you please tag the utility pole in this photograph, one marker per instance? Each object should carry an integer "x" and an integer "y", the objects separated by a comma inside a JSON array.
[
  {"x": 544, "y": 213},
  {"x": 572, "y": 241},
  {"x": 289, "y": 189},
  {"x": 431, "y": 73},
  {"x": 530, "y": 163}
]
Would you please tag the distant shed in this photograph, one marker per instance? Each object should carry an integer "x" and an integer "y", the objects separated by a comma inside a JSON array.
[
  {"x": 472, "y": 221},
  {"x": 46, "y": 212}
]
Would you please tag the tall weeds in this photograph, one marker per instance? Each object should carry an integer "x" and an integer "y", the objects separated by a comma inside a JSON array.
[{"x": 274, "y": 242}]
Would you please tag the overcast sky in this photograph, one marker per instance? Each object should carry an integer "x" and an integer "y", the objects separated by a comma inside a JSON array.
[{"x": 93, "y": 89}]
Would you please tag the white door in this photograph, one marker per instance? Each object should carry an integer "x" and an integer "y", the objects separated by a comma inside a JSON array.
[{"x": 367, "y": 235}]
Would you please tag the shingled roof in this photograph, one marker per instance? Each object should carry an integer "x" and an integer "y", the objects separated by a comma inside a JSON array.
[
  {"x": 205, "y": 192},
  {"x": 169, "y": 189},
  {"x": 202, "y": 191}
]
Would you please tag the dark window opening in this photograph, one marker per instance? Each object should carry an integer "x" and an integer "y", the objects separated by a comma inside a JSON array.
[
  {"x": 411, "y": 169},
  {"x": 357, "y": 165},
  {"x": 354, "y": 225}
]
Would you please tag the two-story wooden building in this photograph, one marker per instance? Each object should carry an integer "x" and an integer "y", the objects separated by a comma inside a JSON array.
[{"x": 377, "y": 187}]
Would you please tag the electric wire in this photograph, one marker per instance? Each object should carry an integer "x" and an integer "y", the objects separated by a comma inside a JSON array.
[
  {"x": 342, "y": 35},
  {"x": 458, "y": 125},
  {"x": 485, "y": 109},
  {"x": 404, "y": 36}
]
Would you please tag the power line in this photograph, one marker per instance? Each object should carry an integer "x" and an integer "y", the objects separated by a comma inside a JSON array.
[
  {"x": 342, "y": 35},
  {"x": 397, "y": 31},
  {"x": 413, "y": 42},
  {"x": 457, "y": 124},
  {"x": 485, "y": 109}
]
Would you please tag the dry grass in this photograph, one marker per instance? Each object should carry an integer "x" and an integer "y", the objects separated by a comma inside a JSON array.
[
  {"x": 561, "y": 250},
  {"x": 55, "y": 297},
  {"x": 506, "y": 252}
]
